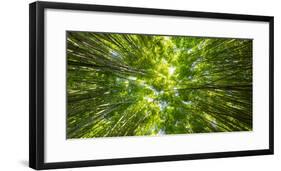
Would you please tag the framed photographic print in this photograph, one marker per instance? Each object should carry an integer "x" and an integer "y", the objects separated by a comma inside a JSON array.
[{"x": 119, "y": 85}]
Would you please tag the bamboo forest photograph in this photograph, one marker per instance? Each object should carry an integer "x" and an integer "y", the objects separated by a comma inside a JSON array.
[{"x": 156, "y": 85}]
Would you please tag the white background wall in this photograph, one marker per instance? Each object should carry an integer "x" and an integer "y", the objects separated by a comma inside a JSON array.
[{"x": 14, "y": 83}]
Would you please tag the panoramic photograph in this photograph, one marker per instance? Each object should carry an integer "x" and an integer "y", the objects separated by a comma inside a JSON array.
[{"x": 155, "y": 85}]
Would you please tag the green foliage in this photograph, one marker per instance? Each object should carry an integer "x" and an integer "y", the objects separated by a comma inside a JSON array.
[{"x": 129, "y": 85}]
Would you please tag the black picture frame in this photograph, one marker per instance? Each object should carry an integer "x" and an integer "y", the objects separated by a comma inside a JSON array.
[{"x": 37, "y": 86}]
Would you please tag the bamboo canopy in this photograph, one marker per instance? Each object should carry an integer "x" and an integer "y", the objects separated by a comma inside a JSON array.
[{"x": 136, "y": 85}]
